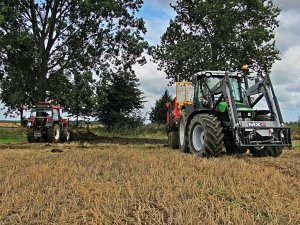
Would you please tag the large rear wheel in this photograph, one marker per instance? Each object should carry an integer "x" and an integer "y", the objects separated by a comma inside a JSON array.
[
  {"x": 53, "y": 133},
  {"x": 205, "y": 135}
]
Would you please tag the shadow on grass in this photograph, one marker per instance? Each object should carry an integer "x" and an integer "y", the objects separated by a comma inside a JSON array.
[{"x": 93, "y": 138}]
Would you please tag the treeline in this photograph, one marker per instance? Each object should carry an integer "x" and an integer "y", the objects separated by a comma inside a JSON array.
[
  {"x": 295, "y": 129},
  {"x": 81, "y": 53}
]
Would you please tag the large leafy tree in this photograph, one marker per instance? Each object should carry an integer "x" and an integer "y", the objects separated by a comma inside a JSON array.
[
  {"x": 218, "y": 35},
  {"x": 71, "y": 34},
  {"x": 123, "y": 101},
  {"x": 158, "y": 112},
  {"x": 17, "y": 58},
  {"x": 18, "y": 88}
]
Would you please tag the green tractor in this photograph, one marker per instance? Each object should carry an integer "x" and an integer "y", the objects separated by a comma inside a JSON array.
[{"x": 238, "y": 110}]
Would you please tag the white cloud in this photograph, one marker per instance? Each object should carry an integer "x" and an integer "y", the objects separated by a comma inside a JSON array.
[
  {"x": 160, "y": 4},
  {"x": 286, "y": 79},
  {"x": 153, "y": 83},
  {"x": 288, "y": 4},
  {"x": 288, "y": 32}
]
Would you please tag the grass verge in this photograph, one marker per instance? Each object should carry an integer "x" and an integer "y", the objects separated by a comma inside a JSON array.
[
  {"x": 154, "y": 131},
  {"x": 12, "y": 135}
]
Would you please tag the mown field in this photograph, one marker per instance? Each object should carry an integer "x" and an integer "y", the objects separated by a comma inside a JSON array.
[
  {"x": 125, "y": 181},
  {"x": 9, "y": 124}
]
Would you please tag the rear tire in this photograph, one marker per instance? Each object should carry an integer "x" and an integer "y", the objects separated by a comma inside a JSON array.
[
  {"x": 182, "y": 136},
  {"x": 173, "y": 139},
  {"x": 266, "y": 151},
  {"x": 53, "y": 133},
  {"x": 205, "y": 135}
]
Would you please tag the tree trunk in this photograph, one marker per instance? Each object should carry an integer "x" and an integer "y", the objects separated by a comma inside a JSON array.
[
  {"x": 22, "y": 119},
  {"x": 77, "y": 120}
]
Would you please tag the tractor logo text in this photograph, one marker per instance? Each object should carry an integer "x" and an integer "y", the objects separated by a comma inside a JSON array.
[{"x": 255, "y": 124}]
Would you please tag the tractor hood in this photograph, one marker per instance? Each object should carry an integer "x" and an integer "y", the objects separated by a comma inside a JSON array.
[{"x": 239, "y": 106}]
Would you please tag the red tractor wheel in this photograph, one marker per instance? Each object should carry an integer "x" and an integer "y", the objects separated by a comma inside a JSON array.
[
  {"x": 53, "y": 133},
  {"x": 65, "y": 134}
]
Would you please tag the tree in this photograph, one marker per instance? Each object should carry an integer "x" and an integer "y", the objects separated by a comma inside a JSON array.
[
  {"x": 18, "y": 88},
  {"x": 82, "y": 35},
  {"x": 217, "y": 35},
  {"x": 76, "y": 94},
  {"x": 123, "y": 101},
  {"x": 158, "y": 112}
]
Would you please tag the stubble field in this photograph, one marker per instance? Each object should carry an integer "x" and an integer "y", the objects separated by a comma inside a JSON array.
[{"x": 131, "y": 183}]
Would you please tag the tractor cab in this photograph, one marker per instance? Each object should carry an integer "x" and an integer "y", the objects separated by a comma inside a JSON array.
[{"x": 218, "y": 91}]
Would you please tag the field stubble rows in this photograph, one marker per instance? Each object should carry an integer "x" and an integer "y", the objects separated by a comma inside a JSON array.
[{"x": 144, "y": 184}]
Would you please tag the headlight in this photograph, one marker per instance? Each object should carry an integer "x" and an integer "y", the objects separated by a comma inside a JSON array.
[{"x": 28, "y": 124}]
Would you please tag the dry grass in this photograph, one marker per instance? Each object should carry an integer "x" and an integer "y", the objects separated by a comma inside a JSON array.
[
  {"x": 10, "y": 124},
  {"x": 144, "y": 184}
]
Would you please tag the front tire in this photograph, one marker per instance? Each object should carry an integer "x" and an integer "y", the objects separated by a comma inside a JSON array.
[
  {"x": 231, "y": 147},
  {"x": 266, "y": 151},
  {"x": 53, "y": 133},
  {"x": 205, "y": 135},
  {"x": 30, "y": 135}
]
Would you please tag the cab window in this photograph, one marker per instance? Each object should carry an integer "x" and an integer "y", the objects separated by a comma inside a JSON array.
[{"x": 55, "y": 114}]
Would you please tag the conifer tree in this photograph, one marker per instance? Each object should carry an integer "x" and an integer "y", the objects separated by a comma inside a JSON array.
[
  {"x": 124, "y": 100},
  {"x": 158, "y": 112}
]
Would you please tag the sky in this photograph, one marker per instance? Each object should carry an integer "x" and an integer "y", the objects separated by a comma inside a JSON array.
[{"x": 285, "y": 73}]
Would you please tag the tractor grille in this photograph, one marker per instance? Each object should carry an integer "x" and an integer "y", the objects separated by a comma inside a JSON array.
[{"x": 40, "y": 122}]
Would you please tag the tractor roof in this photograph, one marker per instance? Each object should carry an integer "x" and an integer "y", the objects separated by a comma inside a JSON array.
[
  {"x": 216, "y": 74},
  {"x": 46, "y": 105}
]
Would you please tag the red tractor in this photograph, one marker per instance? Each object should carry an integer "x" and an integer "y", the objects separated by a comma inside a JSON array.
[{"x": 45, "y": 123}]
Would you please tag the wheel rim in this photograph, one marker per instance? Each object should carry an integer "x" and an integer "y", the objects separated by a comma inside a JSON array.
[
  {"x": 68, "y": 136},
  {"x": 56, "y": 134},
  {"x": 259, "y": 148},
  {"x": 181, "y": 132},
  {"x": 198, "y": 138}
]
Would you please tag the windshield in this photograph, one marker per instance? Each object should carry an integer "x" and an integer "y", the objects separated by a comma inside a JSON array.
[
  {"x": 204, "y": 92},
  {"x": 235, "y": 89},
  {"x": 212, "y": 81},
  {"x": 202, "y": 89},
  {"x": 40, "y": 112}
]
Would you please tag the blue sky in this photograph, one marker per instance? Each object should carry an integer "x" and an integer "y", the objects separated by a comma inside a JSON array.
[{"x": 285, "y": 73}]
